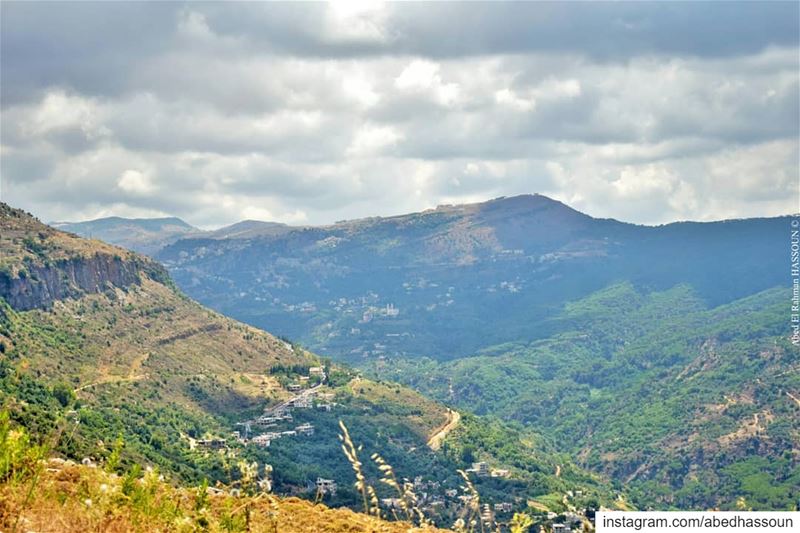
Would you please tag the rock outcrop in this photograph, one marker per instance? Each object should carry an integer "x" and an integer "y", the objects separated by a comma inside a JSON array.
[{"x": 39, "y": 285}]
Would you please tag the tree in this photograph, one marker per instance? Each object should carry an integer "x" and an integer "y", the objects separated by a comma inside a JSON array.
[{"x": 63, "y": 393}]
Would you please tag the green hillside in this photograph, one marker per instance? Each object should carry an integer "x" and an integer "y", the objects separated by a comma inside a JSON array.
[{"x": 687, "y": 407}]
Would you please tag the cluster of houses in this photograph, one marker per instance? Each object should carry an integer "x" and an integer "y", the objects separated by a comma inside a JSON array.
[
  {"x": 263, "y": 440},
  {"x": 389, "y": 311},
  {"x": 281, "y": 414},
  {"x": 432, "y": 501}
]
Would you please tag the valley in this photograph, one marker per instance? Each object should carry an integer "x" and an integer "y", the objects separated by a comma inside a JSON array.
[
  {"x": 140, "y": 376},
  {"x": 627, "y": 346}
]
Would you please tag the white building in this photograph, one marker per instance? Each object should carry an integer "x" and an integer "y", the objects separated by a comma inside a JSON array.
[
  {"x": 262, "y": 441},
  {"x": 481, "y": 469},
  {"x": 503, "y": 507},
  {"x": 305, "y": 429},
  {"x": 326, "y": 486}
]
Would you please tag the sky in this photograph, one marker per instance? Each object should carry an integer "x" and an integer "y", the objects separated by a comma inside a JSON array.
[{"x": 308, "y": 113}]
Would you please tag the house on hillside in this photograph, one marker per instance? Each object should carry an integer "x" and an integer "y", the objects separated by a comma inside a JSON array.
[
  {"x": 262, "y": 441},
  {"x": 480, "y": 469},
  {"x": 266, "y": 421},
  {"x": 326, "y": 486},
  {"x": 305, "y": 429},
  {"x": 503, "y": 507},
  {"x": 302, "y": 402},
  {"x": 212, "y": 444}
]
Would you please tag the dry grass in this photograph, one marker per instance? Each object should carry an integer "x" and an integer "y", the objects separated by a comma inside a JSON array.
[
  {"x": 151, "y": 335},
  {"x": 76, "y": 498}
]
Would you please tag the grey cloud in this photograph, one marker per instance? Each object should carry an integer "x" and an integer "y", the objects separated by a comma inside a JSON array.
[
  {"x": 603, "y": 30},
  {"x": 90, "y": 47},
  {"x": 216, "y": 112},
  {"x": 95, "y": 48}
]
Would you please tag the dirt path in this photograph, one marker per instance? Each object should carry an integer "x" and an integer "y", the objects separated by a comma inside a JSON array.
[
  {"x": 133, "y": 375},
  {"x": 110, "y": 379},
  {"x": 453, "y": 418},
  {"x": 793, "y": 397}
]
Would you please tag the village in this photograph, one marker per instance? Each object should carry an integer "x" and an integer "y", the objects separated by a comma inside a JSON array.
[
  {"x": 263, "y": 430},
  {"x": 433, "y": 497}
]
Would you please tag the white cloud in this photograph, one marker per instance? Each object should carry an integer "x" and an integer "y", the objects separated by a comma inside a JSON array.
[
  {"x": 509, "y": 98},
  {"x": 422, "y": 76},
  {"x": 135, "y": 182},
  {"x": 60, "y": 111},
  {"x": 359, "y": 20},
  {"x": 370, "y": 139}
]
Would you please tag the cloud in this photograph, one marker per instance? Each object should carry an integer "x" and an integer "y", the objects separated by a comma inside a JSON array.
[
  {"x": 310, "y": 113},
  {"x": 135, "y": 182}
]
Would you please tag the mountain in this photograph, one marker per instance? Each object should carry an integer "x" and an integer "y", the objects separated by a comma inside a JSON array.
[
  {"x": 248, "y": 229},
  {"x": 144, "y": 235},
  {"x": 424, "y": 284},
  {"x": 149, "y": 235},
  {"x": 102, "y": 357},
  {"x": 656, "y": 357}
]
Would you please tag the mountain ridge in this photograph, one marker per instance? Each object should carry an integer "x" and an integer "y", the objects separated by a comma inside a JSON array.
[
  {"x": 524, "y": 255},
  {"x": 497, "y": 201}
]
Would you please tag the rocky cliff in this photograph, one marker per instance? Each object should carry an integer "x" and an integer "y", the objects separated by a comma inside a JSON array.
[
  {"x": 39, "y": 265},
  {"x": 38, "y": 286}
]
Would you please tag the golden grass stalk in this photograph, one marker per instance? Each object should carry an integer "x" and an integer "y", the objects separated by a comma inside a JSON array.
[{"x": 351, "y": 452}]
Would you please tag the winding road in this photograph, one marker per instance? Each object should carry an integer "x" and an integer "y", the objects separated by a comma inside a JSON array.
[{"x": 453, "y": 418}]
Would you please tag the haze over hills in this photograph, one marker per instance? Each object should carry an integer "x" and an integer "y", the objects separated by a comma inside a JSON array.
[
  {"x": 149, "y": 235},
  {"x": 424, "y": 283},
  {"x": 450, "y": 267},
  {"x": 144, "y": 235},
  {"x": 93, "y": 333}
]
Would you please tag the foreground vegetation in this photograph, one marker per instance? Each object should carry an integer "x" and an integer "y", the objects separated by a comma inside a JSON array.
[{"x": 53, "y": 495}]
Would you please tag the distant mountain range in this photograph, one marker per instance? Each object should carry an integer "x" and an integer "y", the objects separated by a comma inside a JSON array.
[
  {"x": 149, "y": 235},
  {"x": 425, "y": 283},
  {"x": 144, "y": 235}
]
